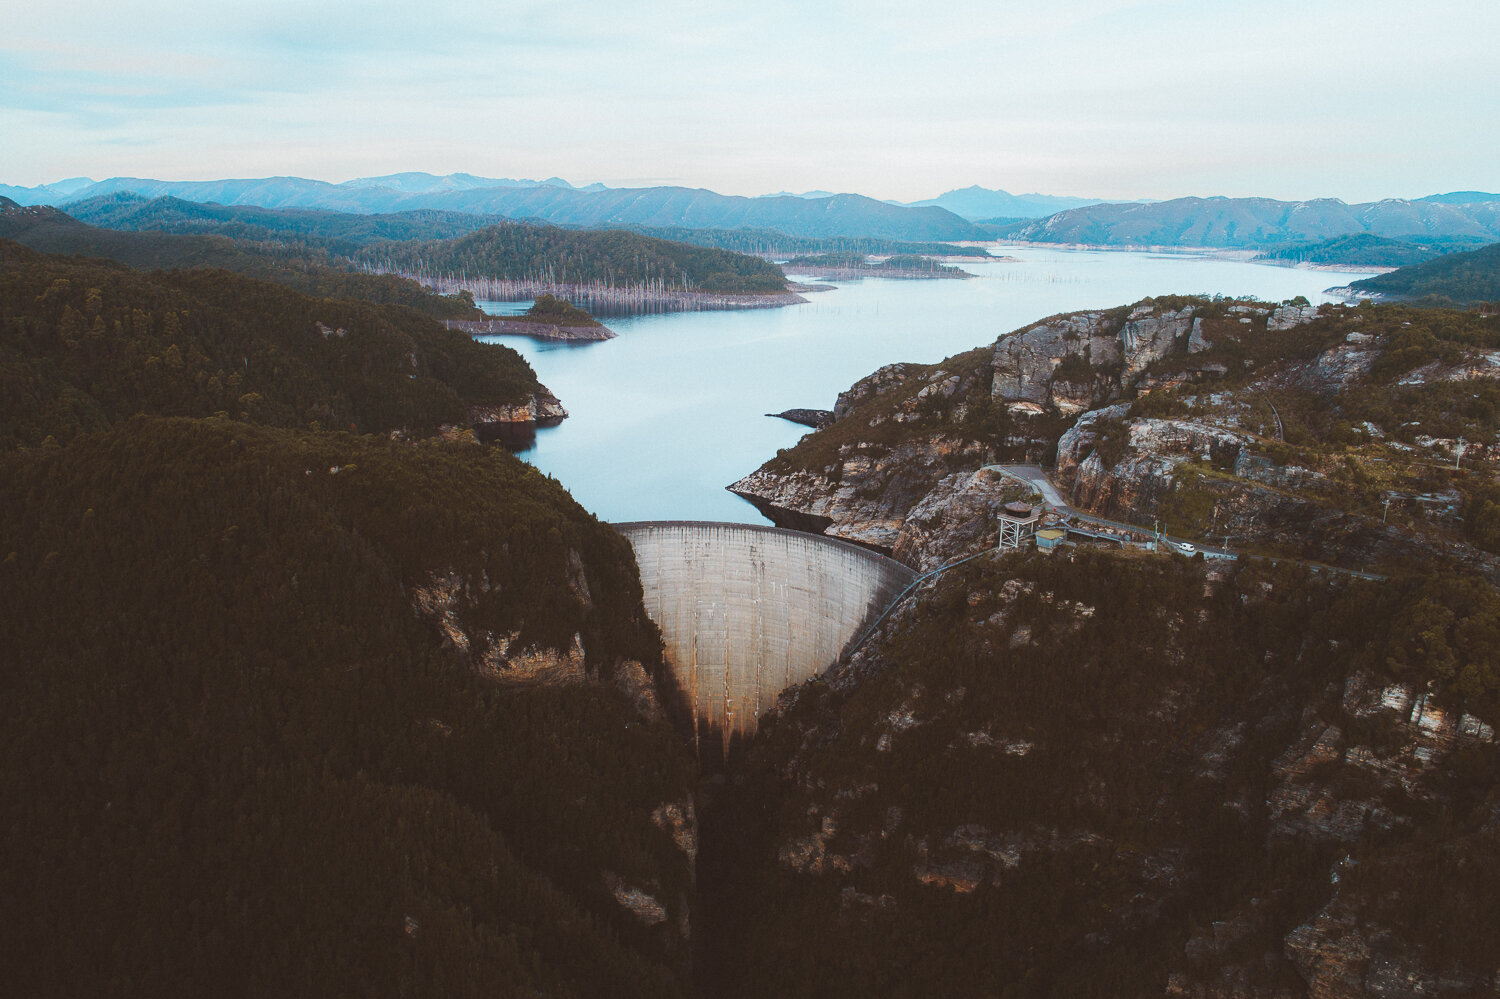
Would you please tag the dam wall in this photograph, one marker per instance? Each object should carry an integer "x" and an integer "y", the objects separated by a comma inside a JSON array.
[{"x": 748, "y": 611}]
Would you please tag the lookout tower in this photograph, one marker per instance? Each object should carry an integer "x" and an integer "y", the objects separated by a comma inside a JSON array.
[{"x": 1017, "y": 525}]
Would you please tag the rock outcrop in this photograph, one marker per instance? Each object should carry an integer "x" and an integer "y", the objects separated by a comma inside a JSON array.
[
  {"x": 873, "y": 499},
  {"x": 922, "y": 498},
  {"x": 544, "y": 409},
  {"x": 446, "y": 600}
]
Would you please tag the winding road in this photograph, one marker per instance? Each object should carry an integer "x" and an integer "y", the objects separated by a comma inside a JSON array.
[{"x": 1036, "y": 477}]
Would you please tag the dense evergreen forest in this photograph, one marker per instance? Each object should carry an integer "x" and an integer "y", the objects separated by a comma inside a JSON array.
[
  {"x": 514, "y": 251},
  {"x": 1083, "y": 777},
  {"x": 559, "y": 311},
  {"x": 1473, "y": 276},
  {"x": 310, "y": 269},
  {"x": 237, "y": 762},
  {"x": 86, "y": 343},
  {"x": 258, "y": 738},
  {"x": 1368, "y": 250},
  {"x": 451, "y": 244}
]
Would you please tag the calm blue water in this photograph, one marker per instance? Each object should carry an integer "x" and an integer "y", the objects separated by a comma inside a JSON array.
[{"x": 665, "y": 416}]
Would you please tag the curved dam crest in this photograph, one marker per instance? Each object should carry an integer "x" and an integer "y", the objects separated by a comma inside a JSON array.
[{"x": 747, "y": 611}]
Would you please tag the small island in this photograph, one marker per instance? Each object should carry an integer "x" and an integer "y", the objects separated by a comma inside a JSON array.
[
  {"x": 853, "y": 265},
  {"x": 549, "y": 318}
]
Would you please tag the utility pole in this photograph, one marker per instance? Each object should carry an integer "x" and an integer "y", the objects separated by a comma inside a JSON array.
[{"x": 1458, "y": 453}]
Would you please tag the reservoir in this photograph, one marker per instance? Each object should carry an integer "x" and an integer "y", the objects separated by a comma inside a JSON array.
[{"x": 670, "y": 412}]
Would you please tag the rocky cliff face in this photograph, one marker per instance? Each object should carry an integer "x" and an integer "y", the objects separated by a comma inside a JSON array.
[
  {"x": 898, "y": 468},
  {"x": 1109, "y": 351},
  {"x": 871, "y": 496},
  {"x": 543, "y": 408}
]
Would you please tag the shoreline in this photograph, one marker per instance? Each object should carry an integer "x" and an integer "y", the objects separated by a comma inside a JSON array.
[
  {"x": 600, "y": 297},
  {"x": 513, "y": 326},
  {"x": 1236, "y": 254},
  {"x": 902, "y": 274}
]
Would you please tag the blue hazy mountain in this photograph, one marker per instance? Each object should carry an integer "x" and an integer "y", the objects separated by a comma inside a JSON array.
[
  {"x": 1260, "y": 222},
  {"x": 975, "y": 203},
  {"x": 554, "y": 201}
]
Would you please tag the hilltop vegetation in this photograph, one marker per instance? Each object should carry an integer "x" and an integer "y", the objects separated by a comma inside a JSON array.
[
  {"x": 542, "y": 253},
  {"x": 310, "y": 269},
  {"x": 88, "y": 343},
  {"x": 272, "y": 691},
  {"x": 1456, "y": 278},
  {"x": 446, "y": 244},
  {"x": 1368, "y": 250}
]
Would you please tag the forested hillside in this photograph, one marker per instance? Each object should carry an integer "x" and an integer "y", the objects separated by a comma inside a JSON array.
[
  {"x": 1367, "y": 250},
  {"x": 1111, "y": 776},
  {"x": 292, "y": 711},
  {"x": 543, "y": 253},
  {"x": 87, "y": 343},
  {"x": 302, "y": 265},
  {"x": 238, "y": 761},
  {"x": 1455, "y": 278},
  {"x": 452, "y": 244}
]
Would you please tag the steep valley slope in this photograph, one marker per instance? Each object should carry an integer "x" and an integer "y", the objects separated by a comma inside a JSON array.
[{"x": 1114, "y": 775}]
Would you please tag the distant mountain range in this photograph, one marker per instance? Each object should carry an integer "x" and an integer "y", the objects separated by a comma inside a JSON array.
[
  {"x": 550, "y": 201},
  {"x": 979, "y": 203},
  {"x": 363, "y": 194},
  {"x": 1261, "y": 222},
  {"x": 972, "y": 213}
]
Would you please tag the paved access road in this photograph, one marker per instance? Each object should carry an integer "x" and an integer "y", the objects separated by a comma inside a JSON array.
[{"x": 1036, "y": 476}]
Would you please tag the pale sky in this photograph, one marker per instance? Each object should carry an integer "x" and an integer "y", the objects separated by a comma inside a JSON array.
[{"x": 1292, "y": 99}]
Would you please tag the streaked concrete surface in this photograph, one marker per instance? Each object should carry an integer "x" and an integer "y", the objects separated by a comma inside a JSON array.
[{"x": 747, "y": 611}]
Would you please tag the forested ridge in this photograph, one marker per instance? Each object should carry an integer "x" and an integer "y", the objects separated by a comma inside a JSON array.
[
  {"x": 513, "y": 251},
  {"x": 310, "y": 267},
  {"x": 452, "y": 244},
  {"x": 1368, "y": 250},
  {"x": 1119, "y": 776},
  {"x": 246, "y": 753},
  {"x": 86, "y": 343},
  {"x": 1473, "y": 276},
  {"x": 238, "y": 762}
]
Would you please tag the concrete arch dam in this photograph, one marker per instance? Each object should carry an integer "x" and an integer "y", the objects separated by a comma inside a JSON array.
[{"x": 748, "y": 611}]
